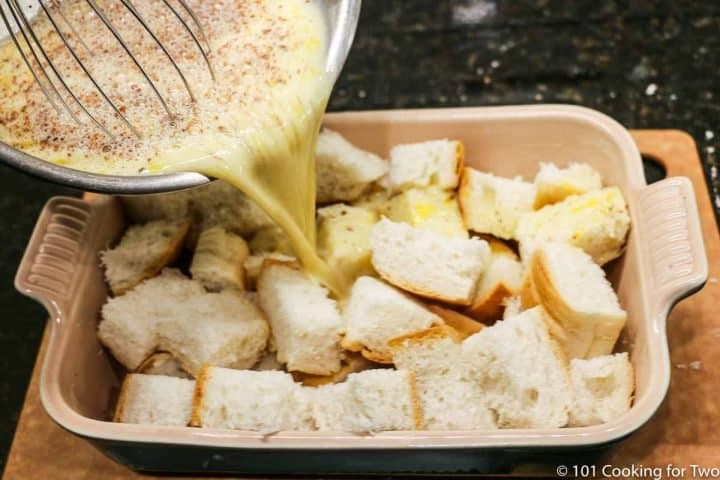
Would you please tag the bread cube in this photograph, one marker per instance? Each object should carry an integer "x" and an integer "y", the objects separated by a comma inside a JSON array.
[
  {"x": 343, "y": 171},
  {"x": 449, "y": 401},
  {"x": 574, "y": 291},
  {"x": 493, "y": 205},
  {"x": 430, "y": 208},
  {"x": 376, "y": 313},
  {"x": 218, "y": 262},
  {"x": 306, "y": 324},
  {"x": 435, "y": 162},
  {"x": 143, "y": 251},
  {"x": 428, "y": 264},
  {"x": 343, "y": 239},
  {"x": 260, "y": 401},
  {"x": 521, "y": 371},
  {"x": 597, "y": 221},
  {"x": 501, "y": 280},
  {"x": 155, "y": 400},
  {"x": 369, "y": 401}
]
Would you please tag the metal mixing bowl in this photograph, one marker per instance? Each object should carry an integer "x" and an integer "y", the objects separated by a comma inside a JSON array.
[{"x": 342, "y": 18}]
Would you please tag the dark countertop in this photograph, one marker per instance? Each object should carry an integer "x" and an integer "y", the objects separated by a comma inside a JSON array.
[{"x": 649, "y": 64}]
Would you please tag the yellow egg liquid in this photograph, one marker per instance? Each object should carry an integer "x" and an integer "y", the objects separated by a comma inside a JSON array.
[{"x": 254, "y": 125}]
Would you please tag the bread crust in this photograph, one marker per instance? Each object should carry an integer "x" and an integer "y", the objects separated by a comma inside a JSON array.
[
  {"x": 569, "y": 320},
  {"x": 416, "y": 403},
  {"x": 384, "y": 358},
  {"x": 122, "y": 398},
  {"x": 211, "y": 248},
  {"x": 252, "y": 283},
  {"x": 437, "y": 332},
  {"x": 353, "y": 363},
  {"x": 528, "y": 296},
  {"x": 409, "y": 287},
  {"x": 463, "y": 196},
  {"x": 371, "y": 355},
  {"x": 198, "y": 396},
  {"x": 459, "y": 158},
  {"x": 150, "y": 361},
  {"x": 546, "y": 196},
  {"x": 490, "y": 307},
  {"x": 275, "y": 262},
  {"x": 462, "y": 324}
]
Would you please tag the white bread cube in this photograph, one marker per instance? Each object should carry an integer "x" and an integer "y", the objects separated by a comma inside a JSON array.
[
  {"x": 449, "y": 402},
  {"x": 343, "y": 171},
  {"x": 369, "y": 401},
  {"x": 597, "y": 222},
  {"x": 218, "y": 262},
  {"x": 556, "y": 184},
  {"x": 430, "y": 208},
  {"x": 574, "y": 291},
  {"x": 521, "y": 371},
  {"x": 436, "y": 162},
  {"x": 306, "y": 325},
  {"x": 603, "y": 389},
  {"x": 177, "y": 315},
  {"x": 383, "y": 399},
  {"x": 376, "y": 313},
  {"x": 163, "y": 363},
  {"x": 428, "y": 264},
  {"x": 493, "y": 205},
  {"x": 143, "y": 251},
  {"x": 155, "y": 400},
  {"x": 223, "y": 329},
  {"x": 343, "y": 239},
  {"x": 502, "y": 279},
  {"x": 129, "y": 322},
  {"x": 265, "y": 402}
]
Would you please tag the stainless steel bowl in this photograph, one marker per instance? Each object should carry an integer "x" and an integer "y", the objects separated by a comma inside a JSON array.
[{"x": 342, "y": 18}]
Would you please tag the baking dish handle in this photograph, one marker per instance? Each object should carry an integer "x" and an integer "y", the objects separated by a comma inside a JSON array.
[
  {"x": 672, "y": 242},
  {"x": 49, "y": 270}
]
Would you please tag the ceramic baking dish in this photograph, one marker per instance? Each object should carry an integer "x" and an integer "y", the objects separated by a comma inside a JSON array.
[{"x": 664, "y": 262}]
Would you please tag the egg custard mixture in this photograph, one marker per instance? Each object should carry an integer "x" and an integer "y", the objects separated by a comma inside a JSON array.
[{"x": 254, "y": 125}]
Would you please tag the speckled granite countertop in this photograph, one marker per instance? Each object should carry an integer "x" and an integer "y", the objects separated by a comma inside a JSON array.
[{"x": 649, "y": 64}]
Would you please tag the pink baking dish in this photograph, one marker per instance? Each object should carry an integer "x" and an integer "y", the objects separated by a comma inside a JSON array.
[{"x": 664, "y": 262}]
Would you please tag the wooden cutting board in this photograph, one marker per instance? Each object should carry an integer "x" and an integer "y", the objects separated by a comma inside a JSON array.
[{"x": 685, "y": 431}]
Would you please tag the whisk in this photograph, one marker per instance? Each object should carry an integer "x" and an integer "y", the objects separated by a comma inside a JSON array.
[
  {"x": 50, "y": 80},
  {"x": 341, "y": 17}
]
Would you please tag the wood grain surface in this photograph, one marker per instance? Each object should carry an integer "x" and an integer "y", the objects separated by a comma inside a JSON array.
[{"x": 685, "y": 431}]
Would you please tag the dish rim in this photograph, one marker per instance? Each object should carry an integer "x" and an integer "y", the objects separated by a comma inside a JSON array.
[{"x": 598, "y": 435}]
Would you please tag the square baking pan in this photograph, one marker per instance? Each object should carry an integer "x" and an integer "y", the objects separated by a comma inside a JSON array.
[{"x": 664, "y": 262}]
